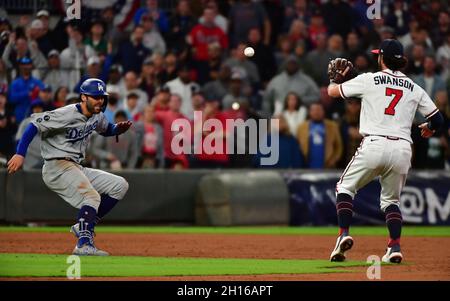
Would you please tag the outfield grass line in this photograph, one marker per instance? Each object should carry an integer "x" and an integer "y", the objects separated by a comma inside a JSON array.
[
  {"x": 45, "y": 265},
  {"x": 252, "y": 230}
]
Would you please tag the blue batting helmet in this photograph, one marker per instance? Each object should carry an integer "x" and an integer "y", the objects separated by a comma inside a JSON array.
[{"x": 95, "y": 87}]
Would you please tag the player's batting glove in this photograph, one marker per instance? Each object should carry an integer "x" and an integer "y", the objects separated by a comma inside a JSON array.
[
  {"x": 340, "y": 70},
  {"x": 123, "y": 126}
]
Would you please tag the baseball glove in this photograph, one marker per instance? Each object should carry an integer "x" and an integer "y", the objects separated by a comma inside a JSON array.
[{"x": 340, "y": 70}]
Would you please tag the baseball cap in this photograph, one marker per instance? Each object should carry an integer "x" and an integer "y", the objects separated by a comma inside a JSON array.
[
  {"x": 25, "y": 61},
  {"x": 47, "y": 88},
  {"x": 163, "y": 88},
  {"x": 37, "y": 103},
  {"x": 52, "y": 53},
  {"x": 116, "y": 67},
  {"x": 148, "y": 61},
  {"x": 37, "y": 24},
  {"x": 43, "y": 13},
  {"x": 390, "y": 48}
]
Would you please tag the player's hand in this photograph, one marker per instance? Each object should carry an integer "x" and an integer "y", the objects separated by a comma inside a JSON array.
[
  {"x": 15, "y": 163},
  {"x": 123, "y": 126},
  {"x": 425, "y": 131}
]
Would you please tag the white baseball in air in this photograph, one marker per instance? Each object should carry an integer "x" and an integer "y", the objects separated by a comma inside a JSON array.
[{"x": 249, "y": 51}]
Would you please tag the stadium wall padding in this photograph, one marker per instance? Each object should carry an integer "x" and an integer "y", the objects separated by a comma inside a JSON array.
[{"x": 229, "y": 197}]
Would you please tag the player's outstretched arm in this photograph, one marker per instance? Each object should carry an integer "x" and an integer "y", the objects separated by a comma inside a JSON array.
[
  {"x": 117, "y": 129},
  {"x": 429, "y": 128},
  {"x": 16, "y": 161}
]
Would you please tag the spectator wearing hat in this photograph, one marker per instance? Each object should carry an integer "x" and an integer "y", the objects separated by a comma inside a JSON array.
[
  {"x": 116, "y": 80},
  {"x": 54, "y": 75},
  {"x": 235, "y": 93},
  {"x": 5, "y": 31},
  {"x": 240, "y": 61},
  {"x": 24, "y": 89},
  {"x": 148, "y": 81},
  {"x": 20, "y": 47},
  {"x": 116, "y": 155},
  {"x": 94, "y": 70},
  {"x": 184, "y": 87},
  {"x": 33, "y": 160},
  {"x": 46, "y": 98},
  {"x": 39, "y": 32},
  {"x": 204, "y": 34},
  {"x": 218, "y": 88},
  {"x": 8, "y": 127},
  {"x": 292, "y": 79},
  {"x": 75, "y": 57},
  {"x": 152, "y": 38},
  {"x": 158, "y": 15},
  {"x": 133, "y": 52},
  {"x": 96, "y": 38}
]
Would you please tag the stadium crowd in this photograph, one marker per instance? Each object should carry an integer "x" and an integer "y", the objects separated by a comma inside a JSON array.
[{"x": 162, "y": 65}]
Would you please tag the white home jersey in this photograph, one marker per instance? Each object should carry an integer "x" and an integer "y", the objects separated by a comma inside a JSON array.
[
  {"x": 65, "y": 131},
  {"x": 389, "y": 101}
]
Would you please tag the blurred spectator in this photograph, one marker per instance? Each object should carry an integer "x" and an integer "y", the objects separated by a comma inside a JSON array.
[
  {"x": 239, "y": 61},
  {"x": 93, "y": 70},
  {"x": 353, "y": 46},
  {"x": 96, "y": 38},
  {"x": 338, "y": 17},
  {"x": 317, "y": 28},
  {"x": 8, "y": 128},
  {"x": 349, "y": 128},
  {"x": 46, "y": 98},
  {"x": 209, "y": 70},
  {"x": 440, "y": 32},
  {"x": 33, "y": 159},
  {"x": 336, "y": 45},
  {"x": 45, "y": 41},
  {"x": 18, "y": 48},
  {"x": 132, "y": 53},
  {"x": 157, "y": 14},
  {"x": 245, "y": 15},
  {"x": 116, "y": 81},
  {"x": 298, "y": 31},
  {"x": 235, "y": 93},
  {"x": 24, "y": 89},
  {"x": 75, "y": 57},
  {"x": 204, "y": 34},
  {"x": 113, "y": 104},
  {"x": 198, "y": 101},
  {"x": 131, "y": 107},
  {"x": 213, "y": 145},
  {"x": 37, "y": 32},
  {"x": 116, "y": 155},
  {"x": 131, "y": 81},
  {"x": 318, "y": 59},
  {"x": 362, "y": 63},
  {"x": 148, "y": 81},
  {"x": 219, "y": 20},
  {"x": 263, "y": 57},
  {"x": 415, "y": 62},
  {"x": 218, "y": 89},
  {"x": 298, "y": 11},
  {"x": 152, "y": 38},
  {"x": 407, "y": 38},
  {"x": 398, "y": 17},
  {"x": 184, "y": 87},
  {"x": 166, "y": 118},
  {"x": 181, "y": 23},
  {"x": 443, "y": 58},
  {"x": 59, "y": 99},
  {"x": 54, "y": 75},
  {"x": 294, "y": 112},
  {"x": 320, "y": 140},
  {"x": 4, "y": 78},
  {"x": 289, "y": 155},
  {"x": 284, "y": 50},
  {"x": 291, "y": 80},
  {"x": 152, "y": 145},
  {"x": 162, "y": 98},
  {"x": 429, "y": 80},
  {"x": 165, "y": 67}
]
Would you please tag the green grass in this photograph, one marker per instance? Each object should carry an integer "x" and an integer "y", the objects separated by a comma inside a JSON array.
[
  {"x": 275, "y": 230},
  {"x": 38, "y": 265}
]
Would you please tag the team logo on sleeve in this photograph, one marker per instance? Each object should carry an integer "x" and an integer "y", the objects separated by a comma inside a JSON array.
[
  {"x": 46, "y": 118},
  {"x": 39, "y": 120}
]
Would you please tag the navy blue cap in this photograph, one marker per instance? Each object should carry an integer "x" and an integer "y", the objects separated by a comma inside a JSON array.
[
  {"x": 37, "y": 103},
  {"x": 25, "y": 61},
  {"x": 390, "y": 48}
]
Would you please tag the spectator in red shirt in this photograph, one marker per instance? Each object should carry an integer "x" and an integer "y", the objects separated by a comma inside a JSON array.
[
  {"x": 218, "y": 158},
  {"x": 204, "y": 34},
  {"x": 166, "y": 118},
  {"x": 152, "y": 140},
  {"x": 317, "y": 27}
]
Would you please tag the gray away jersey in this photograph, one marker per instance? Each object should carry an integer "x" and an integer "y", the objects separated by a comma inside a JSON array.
[{"x": 65, "y": 131}]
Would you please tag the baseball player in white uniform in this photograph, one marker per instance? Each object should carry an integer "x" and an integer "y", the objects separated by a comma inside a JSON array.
[
  {"x": 65, "y": 134},
  {"x": 389, "y": 101}
]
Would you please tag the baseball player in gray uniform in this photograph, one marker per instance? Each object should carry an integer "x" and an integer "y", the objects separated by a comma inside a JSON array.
[
  {"x": 65, "y": 134},
  {"x": 389, "y": 101}
]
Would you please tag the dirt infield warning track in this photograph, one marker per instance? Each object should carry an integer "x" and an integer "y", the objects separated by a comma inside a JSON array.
[{"x": 425, "y": 258}]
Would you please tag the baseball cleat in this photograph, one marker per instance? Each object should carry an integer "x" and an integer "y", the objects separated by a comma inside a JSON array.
[
  {"x": 88, "y": 250},
  {"x": 75, "y": 230},
  {"x": 393, "y": 255},
  {"x": 343, "y": 244}
]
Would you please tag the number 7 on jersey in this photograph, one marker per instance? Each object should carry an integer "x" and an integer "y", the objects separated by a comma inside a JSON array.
[{"x": 390, "y": 110}]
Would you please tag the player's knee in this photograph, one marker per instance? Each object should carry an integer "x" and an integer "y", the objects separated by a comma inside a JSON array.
[{"x": 121, "y": 188}]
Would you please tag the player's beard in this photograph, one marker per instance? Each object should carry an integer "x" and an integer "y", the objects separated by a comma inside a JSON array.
[{"x": 91, "y": 108}]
